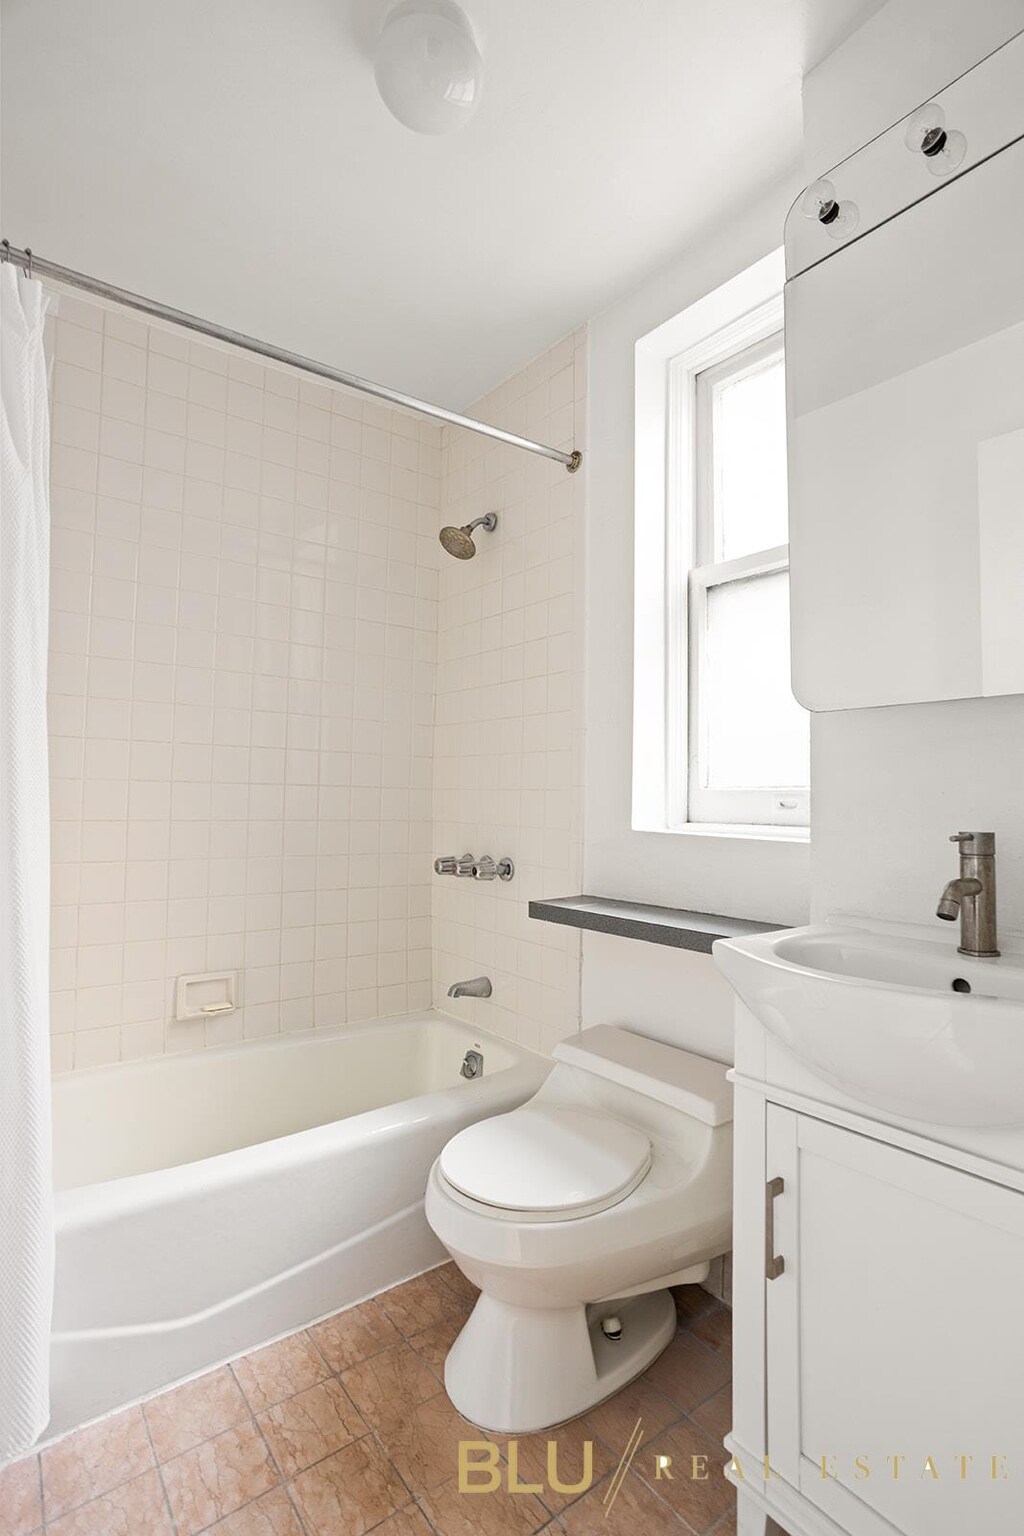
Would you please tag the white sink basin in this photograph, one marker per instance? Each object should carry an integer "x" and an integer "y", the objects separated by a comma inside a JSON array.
[{"x": 906, "y": 1024}]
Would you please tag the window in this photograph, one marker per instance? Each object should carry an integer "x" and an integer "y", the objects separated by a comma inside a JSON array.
[
  {"x": 719, "y": 743},
  {"x": 738, "y": 742}
]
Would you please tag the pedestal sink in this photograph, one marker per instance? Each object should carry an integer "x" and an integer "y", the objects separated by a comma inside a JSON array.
[{"x": 903, "y": 1023}]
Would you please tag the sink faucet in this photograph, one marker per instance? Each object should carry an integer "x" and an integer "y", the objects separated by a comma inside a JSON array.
[
  {"x": 973, "y": 895},
  {"x": 480, "y": 986}
]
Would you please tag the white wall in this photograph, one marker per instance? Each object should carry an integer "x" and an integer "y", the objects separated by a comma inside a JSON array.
[
  {"x": 508, "y": 738},
  {"x": 243, "y": 633},
  {"x": 667, "y": 994},
  {"x": 663, "y": 992},
  {"x": 741, "y": 877},
  {"x": 890, "y": 785}
]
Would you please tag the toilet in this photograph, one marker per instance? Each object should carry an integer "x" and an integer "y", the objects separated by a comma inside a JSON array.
[{"x": 574, "y": 1214}]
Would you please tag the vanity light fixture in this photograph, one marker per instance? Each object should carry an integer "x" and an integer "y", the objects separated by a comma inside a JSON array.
[
  {"x": 928, "y": 135},
  {"x": 838, "y": 218},
  {"x": 427, "y": 65}
]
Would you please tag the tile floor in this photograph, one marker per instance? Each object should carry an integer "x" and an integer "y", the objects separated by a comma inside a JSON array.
[{"x": 345, "y": 1428}]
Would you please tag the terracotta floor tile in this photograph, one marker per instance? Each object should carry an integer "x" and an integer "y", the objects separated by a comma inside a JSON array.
[
  {"x": 387, "y": 1385},
  {"x": 433, "y": 1344},
  {"x": 424, "y": 1443},
  {"x": 614, "y": 1421},
  {"x": 528, "y": 1456},
  {"x": 691, "y": 1301},
  {"x": 456, "y": 1281},
  {"x": 420, "y": 1303},
  {"x": 133, "y": 1508},
  {"x": 218, "y": 1477},
  {"x": 221, "y": 1480},
  {"x": 310, "y": 1426},
  {"x": 715, "y": 1328},
  {"x": 20, "y": 1507},
  {"x": 688, "y": 1372},
  {"x": 194, "y": 1412},
  {"x": 726, "y": 1527},
  {"x": 349, "y": 1492},
  {"x": 271, "y": 1515},
  {"x": 716, "y": 1414},
  {"x": 633, "y": 1509},
  {"x": 408, "y": 1522},
  {"x": 452, "y": 1513},
  {"x": 699, "y": 1499},
  {"x": 269, "y": 1375},
  {"x": 355, "y": 1335},
  {"x": 92, "y": 1461}
]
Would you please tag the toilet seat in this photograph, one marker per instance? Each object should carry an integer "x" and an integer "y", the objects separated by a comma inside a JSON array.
[{"x": 546, "y": 1163}]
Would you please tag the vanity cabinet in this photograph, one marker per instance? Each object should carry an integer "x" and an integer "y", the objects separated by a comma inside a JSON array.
[{"x": 879, "y": 1333}]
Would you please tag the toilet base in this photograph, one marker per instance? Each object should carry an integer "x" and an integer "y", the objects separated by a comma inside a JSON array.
[{"x": 514, "y": 1370}]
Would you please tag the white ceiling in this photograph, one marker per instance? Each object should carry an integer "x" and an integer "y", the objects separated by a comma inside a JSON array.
[{"x": 232, "y": 157}]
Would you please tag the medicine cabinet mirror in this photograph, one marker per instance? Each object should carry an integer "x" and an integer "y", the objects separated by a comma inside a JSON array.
[{"x": 905, "y": 384}]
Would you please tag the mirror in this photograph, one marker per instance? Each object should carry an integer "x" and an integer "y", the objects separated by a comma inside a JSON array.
[{"x": 905, "y": 381}]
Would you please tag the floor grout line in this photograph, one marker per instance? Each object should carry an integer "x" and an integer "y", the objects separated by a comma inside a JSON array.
[
  {"x": 160, "y": 1474},
  {"x": 48, "y": 1520},
  {"x": 42, "y": 1493},
  {"x": 425, "y": 1516}
]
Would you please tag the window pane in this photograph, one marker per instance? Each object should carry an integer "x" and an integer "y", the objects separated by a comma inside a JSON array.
[
  {"x": 749, "y": 449},
  {"x": 754, "y": 733}
]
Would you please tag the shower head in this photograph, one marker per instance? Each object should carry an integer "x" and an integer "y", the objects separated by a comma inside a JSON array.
[{"x": 459, "y": 541}]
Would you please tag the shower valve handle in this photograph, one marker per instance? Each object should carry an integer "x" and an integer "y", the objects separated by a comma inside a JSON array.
[
  {"x": 468, "y": 866},
  {"x": 448, "y": 864},
  {"x": 487, "y": 868}
]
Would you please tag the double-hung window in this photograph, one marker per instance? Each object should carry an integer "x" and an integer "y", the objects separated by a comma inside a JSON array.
[{"x": 738, "y": 748}]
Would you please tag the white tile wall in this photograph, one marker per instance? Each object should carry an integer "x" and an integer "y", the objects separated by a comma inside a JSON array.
[
  {"x": 508, "y": 738},
  {"x": 245, "y": 583}
]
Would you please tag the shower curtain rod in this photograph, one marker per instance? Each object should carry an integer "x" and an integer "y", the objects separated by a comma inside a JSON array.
[{"x": 37, "y": 266}]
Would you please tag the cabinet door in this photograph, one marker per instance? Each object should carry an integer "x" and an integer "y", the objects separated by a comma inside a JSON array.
[{"x": 895, "y": 1336}]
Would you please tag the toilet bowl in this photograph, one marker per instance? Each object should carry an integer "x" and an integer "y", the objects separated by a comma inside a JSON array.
[{"x": 574, "y": 1214}]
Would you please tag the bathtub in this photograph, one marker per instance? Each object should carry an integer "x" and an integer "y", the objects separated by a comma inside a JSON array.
[{"x": 210, "y": 1202}]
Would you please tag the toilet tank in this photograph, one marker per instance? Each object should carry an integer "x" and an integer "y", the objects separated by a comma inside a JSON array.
[{"x": 693, "y": 1086}]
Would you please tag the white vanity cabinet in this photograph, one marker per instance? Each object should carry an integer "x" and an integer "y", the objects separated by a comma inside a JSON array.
[{"x": 881, "y": 1370}]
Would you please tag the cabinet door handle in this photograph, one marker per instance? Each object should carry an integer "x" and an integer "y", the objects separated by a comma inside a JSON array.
[{"x": 774, "y": 1264}]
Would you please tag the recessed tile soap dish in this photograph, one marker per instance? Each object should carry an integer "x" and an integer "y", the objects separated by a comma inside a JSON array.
[{"x": 201, "y": 996}]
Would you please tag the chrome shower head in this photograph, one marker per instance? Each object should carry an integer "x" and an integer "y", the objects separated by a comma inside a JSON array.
[{"x": 459, "y": 541}]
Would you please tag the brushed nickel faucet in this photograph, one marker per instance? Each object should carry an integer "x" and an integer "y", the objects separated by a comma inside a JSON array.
[
  {"x": 480, "y": 986},
  {"x": 972, "y": 896}
]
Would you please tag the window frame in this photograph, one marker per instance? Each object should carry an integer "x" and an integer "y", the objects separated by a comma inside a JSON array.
[{"x": 690, "y": 575}]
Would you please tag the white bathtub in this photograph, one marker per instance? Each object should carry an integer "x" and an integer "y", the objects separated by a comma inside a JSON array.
[{"x": 209, "y": 1202}]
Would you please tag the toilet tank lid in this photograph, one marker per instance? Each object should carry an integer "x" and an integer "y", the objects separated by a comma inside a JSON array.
[{"x": 686, "y": 1082}]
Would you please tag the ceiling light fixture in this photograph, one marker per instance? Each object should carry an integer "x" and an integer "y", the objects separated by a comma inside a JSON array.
[{"x": 427, "y": 66}]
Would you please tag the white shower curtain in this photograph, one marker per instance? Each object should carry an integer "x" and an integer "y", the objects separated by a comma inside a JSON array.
[{"x": 26, "y": 1200}]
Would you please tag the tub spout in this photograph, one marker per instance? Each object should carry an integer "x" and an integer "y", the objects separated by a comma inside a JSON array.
[{"x": 480, "y": 986}]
